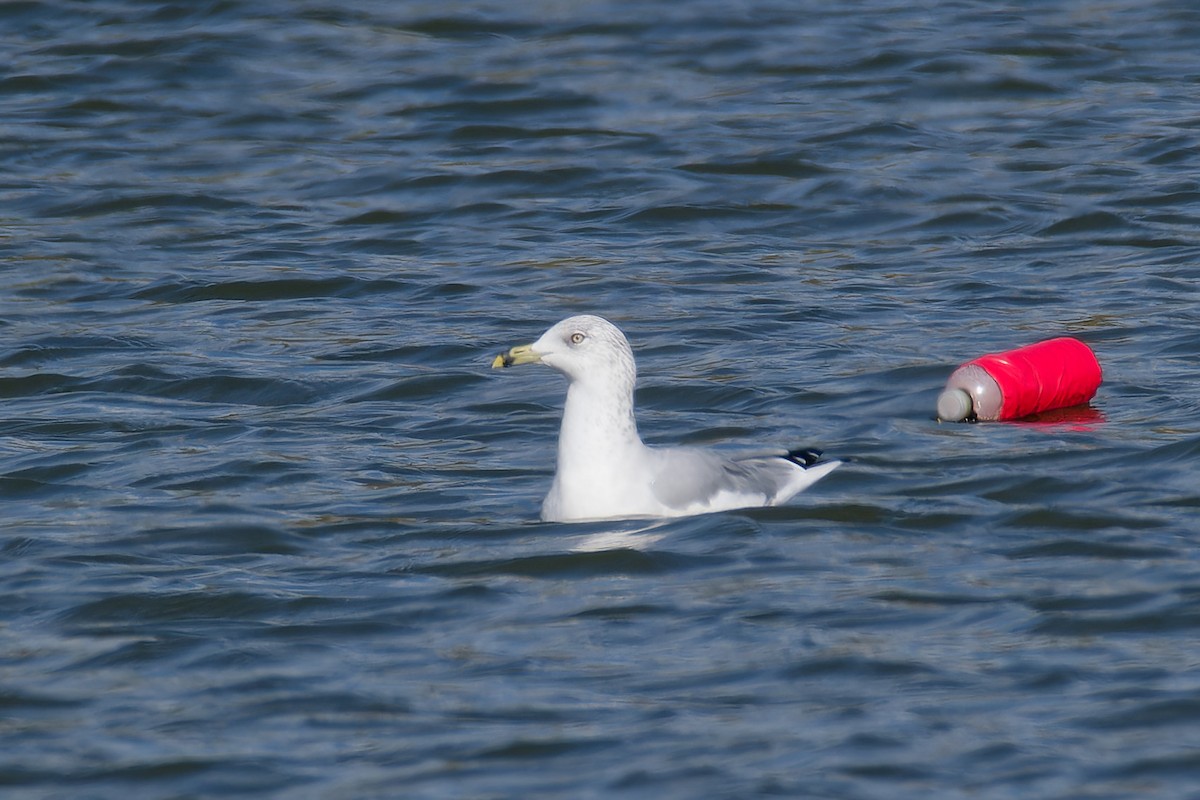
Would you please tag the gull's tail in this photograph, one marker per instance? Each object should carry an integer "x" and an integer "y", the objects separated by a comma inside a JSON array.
[
  {"x": 806, "y": 458},
  {"x": 811, "y": 469}
]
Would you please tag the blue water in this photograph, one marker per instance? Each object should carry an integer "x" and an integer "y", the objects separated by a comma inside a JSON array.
[{"x": 269, "y": 521}]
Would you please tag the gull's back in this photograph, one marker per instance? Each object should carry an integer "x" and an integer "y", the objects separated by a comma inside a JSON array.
[{"x": 691, "y": 480}]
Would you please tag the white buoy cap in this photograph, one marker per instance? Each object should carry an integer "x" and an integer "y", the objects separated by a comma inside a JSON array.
[{"x": 954, "y": 405}]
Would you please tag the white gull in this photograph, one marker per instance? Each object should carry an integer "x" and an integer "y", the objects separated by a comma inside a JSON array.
[{"x": 605, "y": 471}]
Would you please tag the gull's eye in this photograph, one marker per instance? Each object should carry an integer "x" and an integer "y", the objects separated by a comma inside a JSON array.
[{"x": 577, "y": 338}]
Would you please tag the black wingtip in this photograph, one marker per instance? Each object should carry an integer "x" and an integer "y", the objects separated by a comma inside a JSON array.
[{"x": 804, "y": 458}]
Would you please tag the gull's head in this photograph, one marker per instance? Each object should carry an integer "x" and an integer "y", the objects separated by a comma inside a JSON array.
[{"x": 583, "y": 348}]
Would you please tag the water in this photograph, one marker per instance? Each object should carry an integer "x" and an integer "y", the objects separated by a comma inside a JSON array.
[{"x": 269, "y": 520}]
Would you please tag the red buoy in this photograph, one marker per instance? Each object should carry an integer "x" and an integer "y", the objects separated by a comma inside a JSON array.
[{"x": 1057, "y": 373}]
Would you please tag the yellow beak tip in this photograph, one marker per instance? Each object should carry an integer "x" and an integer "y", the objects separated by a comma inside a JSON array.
[{"x": 516, "y": 356}]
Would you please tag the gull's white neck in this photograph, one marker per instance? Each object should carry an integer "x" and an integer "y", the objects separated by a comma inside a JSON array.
[{"x": 598, "y": 429}]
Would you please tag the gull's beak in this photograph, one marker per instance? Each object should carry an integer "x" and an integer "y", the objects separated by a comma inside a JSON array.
[{"x": 521, "y": 354}]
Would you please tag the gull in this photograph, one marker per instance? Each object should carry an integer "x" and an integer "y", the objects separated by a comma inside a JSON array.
[{"x": 604, "y": 469}]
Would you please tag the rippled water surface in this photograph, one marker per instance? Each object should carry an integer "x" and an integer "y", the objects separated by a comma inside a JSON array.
[{"x": 269, "y": 521}]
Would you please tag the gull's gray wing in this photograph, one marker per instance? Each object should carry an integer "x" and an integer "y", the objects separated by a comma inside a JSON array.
[{"x": 690, "y": 476}]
